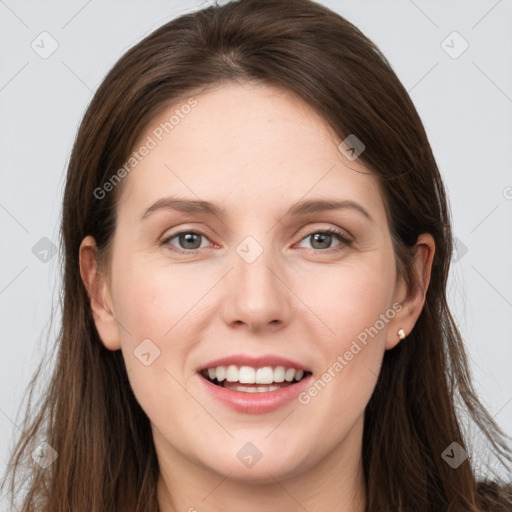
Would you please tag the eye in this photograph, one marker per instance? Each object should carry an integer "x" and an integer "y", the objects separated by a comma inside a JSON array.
[
  {"x": 189, "y": 241},
  {"x": 324, "y": 238}
]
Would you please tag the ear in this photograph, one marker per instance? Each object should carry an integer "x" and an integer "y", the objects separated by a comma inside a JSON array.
[
  {"x": 412, "y": 301},
  {"x": 100, "y": 298}
]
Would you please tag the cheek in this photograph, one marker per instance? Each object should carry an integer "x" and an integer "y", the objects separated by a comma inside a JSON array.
[
  {"x": 154, "y": 302},
  {"x": 355, "y": 304},
  {"x": 152, "y": 305},
  {"x": 162, "y": 312},
  {"x": 351, "y": 303}
]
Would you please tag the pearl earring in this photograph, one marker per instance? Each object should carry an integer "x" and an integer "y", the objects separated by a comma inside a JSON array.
[{"x": 401, "y": 334}]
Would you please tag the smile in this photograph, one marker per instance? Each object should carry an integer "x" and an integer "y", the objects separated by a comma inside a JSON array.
[{"x": 248, "y": 379}]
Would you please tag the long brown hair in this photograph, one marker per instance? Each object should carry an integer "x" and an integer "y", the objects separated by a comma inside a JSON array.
[{"x": 89, "y": 414}]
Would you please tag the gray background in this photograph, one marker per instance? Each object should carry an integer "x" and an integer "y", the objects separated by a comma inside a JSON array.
[{"x": 465, "y": 103}]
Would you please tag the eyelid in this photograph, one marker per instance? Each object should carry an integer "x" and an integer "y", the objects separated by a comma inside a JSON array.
[
  {"x": 338, "y": 233},
  {"x": 166, "y": 239},
  {"x": 345, "y": 238},
  {"x": 325, "y": 229}
]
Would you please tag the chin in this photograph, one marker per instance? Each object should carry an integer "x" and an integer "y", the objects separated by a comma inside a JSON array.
[{"x": 245, "y": 466}]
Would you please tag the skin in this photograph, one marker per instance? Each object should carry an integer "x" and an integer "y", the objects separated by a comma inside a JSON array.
[{"x": 256, "y": 150}]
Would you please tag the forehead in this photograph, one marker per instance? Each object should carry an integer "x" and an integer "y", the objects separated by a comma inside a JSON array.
[{"x": 254, "y": 147}]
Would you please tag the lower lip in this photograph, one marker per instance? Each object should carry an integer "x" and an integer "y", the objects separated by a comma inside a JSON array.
[{"x": 255, "y": 403}]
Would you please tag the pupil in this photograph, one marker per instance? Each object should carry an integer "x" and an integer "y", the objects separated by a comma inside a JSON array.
[
  {"x": 322, "y": 237},
  {"x": 185, "y": 240}
]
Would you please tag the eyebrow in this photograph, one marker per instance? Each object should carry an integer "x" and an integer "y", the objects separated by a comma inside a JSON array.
[{"x": 300, "y": 208}]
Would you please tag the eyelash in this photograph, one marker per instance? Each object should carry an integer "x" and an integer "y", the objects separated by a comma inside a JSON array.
[{"x": 340, "y": 235}]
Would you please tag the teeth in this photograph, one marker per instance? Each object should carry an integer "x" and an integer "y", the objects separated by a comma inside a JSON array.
[
  {"x": 289, "y": 374},
  {"x": 279, "y": 374},
  {"x": 259, "y": 389},
  {"x": 264, "y": 375},
  {"x": 219, "y": 373},
  {"x": 232, "y": 373},
  {"x": 248, "y": 375}
]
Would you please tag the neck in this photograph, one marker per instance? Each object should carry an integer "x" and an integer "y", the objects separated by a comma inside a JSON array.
[{"x": 335, "y": 483}]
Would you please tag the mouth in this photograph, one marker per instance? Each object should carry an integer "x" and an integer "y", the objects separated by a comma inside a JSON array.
[{"x": 248, "y": 379}]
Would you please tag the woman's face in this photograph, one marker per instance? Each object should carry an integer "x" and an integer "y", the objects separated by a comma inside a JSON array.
[{"x": 253, "y": 290}]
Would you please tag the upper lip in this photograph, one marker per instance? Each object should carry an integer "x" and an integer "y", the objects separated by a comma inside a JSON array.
[{"x": 255, "y": 362}]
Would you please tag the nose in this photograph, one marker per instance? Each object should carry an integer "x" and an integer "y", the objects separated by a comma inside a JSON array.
[{"x": 257, "y": 295}]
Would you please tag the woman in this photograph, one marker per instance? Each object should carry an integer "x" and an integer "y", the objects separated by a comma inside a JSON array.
[{"x": 257, "y": 243}]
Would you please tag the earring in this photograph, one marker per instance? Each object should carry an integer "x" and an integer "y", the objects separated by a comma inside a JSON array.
[{"x": 401, "y": 334}]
